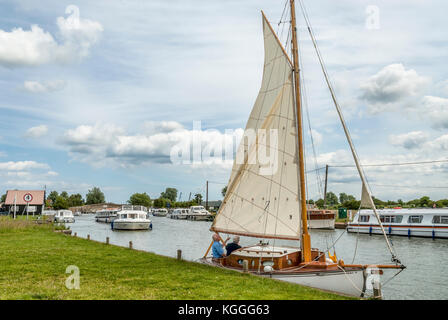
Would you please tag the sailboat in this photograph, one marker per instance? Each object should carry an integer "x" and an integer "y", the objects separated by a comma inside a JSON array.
[{"x": 273, "y": 206}]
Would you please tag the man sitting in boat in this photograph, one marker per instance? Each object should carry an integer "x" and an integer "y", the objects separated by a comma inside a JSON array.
[
  {"x": 233, "y": 246},
  {"x": 218, "y": 247}
]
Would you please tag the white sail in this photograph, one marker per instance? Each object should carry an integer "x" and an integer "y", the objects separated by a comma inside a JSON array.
[{"x": 260, "y": 202}]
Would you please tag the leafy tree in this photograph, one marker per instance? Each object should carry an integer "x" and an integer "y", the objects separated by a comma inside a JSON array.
[
  {"x": 223, "y": 191},
  {"x": 442, "y": 203},
  {"x": 343, "y": 197},
  {"x": 378, "y": 203},
  {"x": 140, "y": 199},
  {"x": 332, "y": 199},
  {"x": 425, "y": 202},
  {"x": 52, "y": 196},
  {"x": 64, "y": 194},
  {"x": 198, "y": 198},
  {"x": 320, "y": 203},
  {"x": 162, "y": 203},
  {"x": 352, "y": 204},
  {"x": 170, "y": 193},
  {"x": 60, "y": 203},
  {"x": 75, "y": 200},
  {"x": 95, "y": 196},
  {"x": 3, "y": 199}
]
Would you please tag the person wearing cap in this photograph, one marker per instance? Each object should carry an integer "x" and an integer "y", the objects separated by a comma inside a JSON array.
[{"x": 233, "y": 246}]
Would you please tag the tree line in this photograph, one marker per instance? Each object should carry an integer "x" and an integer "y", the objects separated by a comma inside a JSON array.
[
  {"x": 350, "y": 202},
  {"x": 168, "y": 198},
  {"x": 64, "y": 200}
]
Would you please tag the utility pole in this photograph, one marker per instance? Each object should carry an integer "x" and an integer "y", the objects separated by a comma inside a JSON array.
[
  {"x": 189, "y": 197},
  {"x": 15, "y": 205},
  {"x": 206, "y": 196},
  {"x": 325, "y": 189}
]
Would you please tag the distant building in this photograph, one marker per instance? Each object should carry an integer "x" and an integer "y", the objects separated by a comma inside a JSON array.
[{"x": 21, "y": 199}]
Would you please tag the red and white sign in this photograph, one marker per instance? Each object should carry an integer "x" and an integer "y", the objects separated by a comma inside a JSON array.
[{"x": 28, "y": 197}]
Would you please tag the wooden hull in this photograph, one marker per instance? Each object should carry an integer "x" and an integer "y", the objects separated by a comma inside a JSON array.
[{"x": 350, "y": 282}]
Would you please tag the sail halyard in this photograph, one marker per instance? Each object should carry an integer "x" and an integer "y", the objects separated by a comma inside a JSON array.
[
  {"x": 366, "y": 195},
  {"x": 258, "y": 205}
]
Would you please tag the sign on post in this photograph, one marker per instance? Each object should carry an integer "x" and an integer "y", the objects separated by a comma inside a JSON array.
[{"x": 28, "y": 197}]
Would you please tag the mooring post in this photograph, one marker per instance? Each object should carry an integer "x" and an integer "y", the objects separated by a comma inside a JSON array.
[
  {"x": 88, "y": 237},
  {"x": 130, "y": 244},
  {"x": 107, "y": 240},
  {"x": 76, "y": 234},
  {"x": 245, "y": 266},
  {"x": 179, "y": 254}
]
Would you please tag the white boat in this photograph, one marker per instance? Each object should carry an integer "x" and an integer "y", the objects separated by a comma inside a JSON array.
[
  {"x": 162, "y": 212},
  {"x": 321, "y": 219},
  {"x": 106, "y": 215},
  {"x": 423, "y": 222},
  {"x": 179, "y": 214},
  {"x": 199, "y": 213},
  {"x": 131, "y": 219},
  {"x": 77, "y": 214},
  {"x": 64, "y": 216},
  {"x": 267, "y": 199}
]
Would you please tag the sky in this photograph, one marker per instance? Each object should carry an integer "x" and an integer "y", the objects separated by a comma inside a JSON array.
[{"x": 97, "y": 93}]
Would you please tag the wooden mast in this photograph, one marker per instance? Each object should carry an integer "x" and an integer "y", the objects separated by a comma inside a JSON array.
[{"x": 305, "y": 239}]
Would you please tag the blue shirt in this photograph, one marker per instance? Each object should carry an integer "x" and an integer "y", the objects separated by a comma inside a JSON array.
[{"x": 217, "y": 250}]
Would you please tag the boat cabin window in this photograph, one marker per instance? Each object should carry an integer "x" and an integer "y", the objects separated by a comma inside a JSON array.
[
  {"x": 123, "y": 216},
  {"x": 391, "y": 219},
  {"x": 415, "y": 219},
  {"x": 440, "y": 219},
  {"x": 364, "y": 218}
]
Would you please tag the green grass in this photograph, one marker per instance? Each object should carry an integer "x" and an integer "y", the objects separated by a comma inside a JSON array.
[{"x": 33, "y": 260}]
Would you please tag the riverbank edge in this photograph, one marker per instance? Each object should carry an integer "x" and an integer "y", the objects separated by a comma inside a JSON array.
[{"x": 151, "y": 276}]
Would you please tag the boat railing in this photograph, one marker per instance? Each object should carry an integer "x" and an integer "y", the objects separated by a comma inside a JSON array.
[{"x": 134, "y": 207}]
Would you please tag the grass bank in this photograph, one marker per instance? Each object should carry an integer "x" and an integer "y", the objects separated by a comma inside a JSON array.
[{"x": 33, "y": 261}]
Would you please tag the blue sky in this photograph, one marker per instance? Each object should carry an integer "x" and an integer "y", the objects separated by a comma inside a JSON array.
[{"x": 102, "y": 103}]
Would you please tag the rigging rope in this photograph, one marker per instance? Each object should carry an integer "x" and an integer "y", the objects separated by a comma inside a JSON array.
[{"x": 348, "y": 136}]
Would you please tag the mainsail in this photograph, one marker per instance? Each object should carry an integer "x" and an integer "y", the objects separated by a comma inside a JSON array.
[{"x": 259, "y": 202}]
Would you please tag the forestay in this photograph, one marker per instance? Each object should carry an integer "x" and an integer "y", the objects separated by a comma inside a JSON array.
[{"x": 262, "y": 198}]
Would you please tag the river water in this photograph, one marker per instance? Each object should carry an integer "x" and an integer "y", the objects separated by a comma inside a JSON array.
[{"x": 426, "y": 259}]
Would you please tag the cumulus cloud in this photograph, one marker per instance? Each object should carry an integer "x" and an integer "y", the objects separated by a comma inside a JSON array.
[
  {"x": 22, "y": 165},
  {"x": 435, "y": 109},
  {"x": 440, "y": 143},
  {"x": 36, "y": 132},
  {"x": 34, "y": 47},
  {"x": 410, "y": 140},
  {"x": 159, "y": 143},
  {"x": 42, "y": 87},
  {"x": 390, "y": 85}
]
